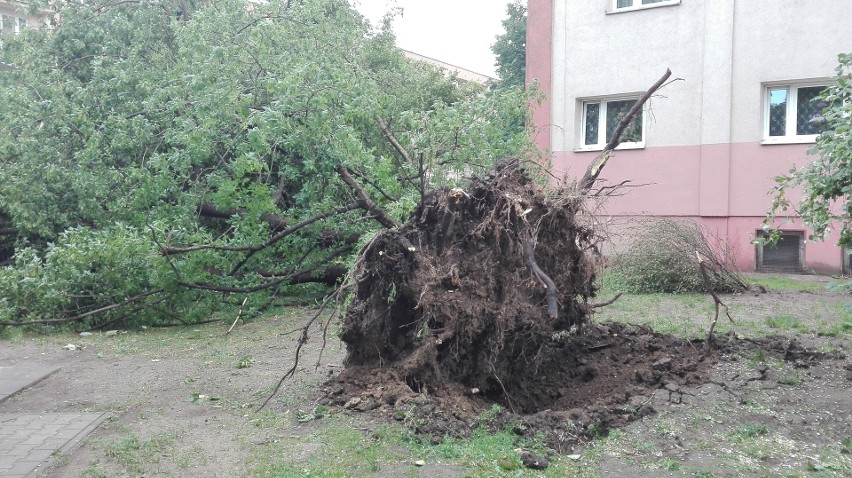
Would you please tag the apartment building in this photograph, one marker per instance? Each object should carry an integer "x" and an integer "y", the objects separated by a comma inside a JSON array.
[
  {"x": 707, "y": 147},
  {"x": 16, "y": 16}
]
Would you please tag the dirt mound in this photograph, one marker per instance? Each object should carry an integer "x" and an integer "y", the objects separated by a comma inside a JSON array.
[
  {"x": 474, "y": 290},
  {"x": 585, "y": 384}
]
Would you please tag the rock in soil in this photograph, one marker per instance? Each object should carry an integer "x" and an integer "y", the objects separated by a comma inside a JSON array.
[{"x": 533, "y": 461}]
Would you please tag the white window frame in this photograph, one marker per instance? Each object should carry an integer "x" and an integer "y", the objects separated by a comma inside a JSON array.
[
  {"x": 792, "y": 110},
  {"x": 603, "y": 139},
  {"x": 612, "y": 5},
  {"x": 16, "y": 28}
]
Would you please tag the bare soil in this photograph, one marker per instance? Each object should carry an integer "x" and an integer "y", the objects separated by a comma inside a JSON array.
[{"x": 759, "y": 407}]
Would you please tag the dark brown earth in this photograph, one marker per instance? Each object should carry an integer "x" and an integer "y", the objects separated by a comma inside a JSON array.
[
  {"x": 600, "y": 379},
  {"x": 586, "y": 384}
]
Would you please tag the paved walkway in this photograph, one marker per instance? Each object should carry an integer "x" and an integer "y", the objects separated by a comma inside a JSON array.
[
  {"x": 29, "y": 440},
  {"x": 14, "y": 379}
]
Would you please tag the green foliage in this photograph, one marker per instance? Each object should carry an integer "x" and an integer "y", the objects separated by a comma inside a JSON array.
[
  {"x": 245, "y": 361},
  {"x": 121, "y": 122},
  {"x": 846, "y": 446},
  {"x": 826, "y": 182},
  {"x": 511, "y": 47},
  {"x": 661, "y": 257}
]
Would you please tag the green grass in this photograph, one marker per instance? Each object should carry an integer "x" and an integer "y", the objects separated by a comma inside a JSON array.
[
  {"x": 11, "y": 334},
  {"x": 749, "y": 430},
  {"x": 774, "y": 283},
  {"x": 689, "y": 315},
  {"x": 670, "y": 465},
  {"x": 336, "y": 448},
  {"x": 133, "y": 453},
  {"x": 784, "y": 322},
  {"x": 340, "y": 451}
]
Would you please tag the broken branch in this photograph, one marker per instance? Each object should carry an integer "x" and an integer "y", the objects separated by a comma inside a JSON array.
[
  {"x": 594, "y": 169},
  {"x": 365, "y": 202},
  {"x": 717, "y": 302},
  {"x": 90, "y": 313}
]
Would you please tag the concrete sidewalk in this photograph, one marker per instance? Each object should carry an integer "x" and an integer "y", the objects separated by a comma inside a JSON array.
[
  {"x": 29, "y": 440},
  {"x": 16, "y": 378}
]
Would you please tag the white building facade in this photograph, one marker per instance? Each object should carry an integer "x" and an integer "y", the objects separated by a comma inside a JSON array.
[{"x": 707, "y": 146}]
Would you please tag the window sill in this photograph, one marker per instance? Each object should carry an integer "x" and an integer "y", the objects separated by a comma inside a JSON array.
[
  {"x": 612, "y": 10},
  {"x": 811, "y": 139},
  {"x": 597, "y": 148}
]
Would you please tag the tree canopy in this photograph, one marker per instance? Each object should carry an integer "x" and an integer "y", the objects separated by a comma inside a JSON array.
[
  {"x": 826, "y": 182},
  {"x": 156, "y": 155},
  {"x": 511, "y": 47}
]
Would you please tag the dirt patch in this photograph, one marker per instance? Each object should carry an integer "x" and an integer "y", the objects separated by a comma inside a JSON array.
[
  {"x": 585, "y": 384},
  {"x": 607, "y": 377}
]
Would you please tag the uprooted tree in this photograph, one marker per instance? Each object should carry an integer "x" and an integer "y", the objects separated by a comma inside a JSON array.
[
  {"x": 480, "y": 291},
  {"x": 162, "y": 160}
]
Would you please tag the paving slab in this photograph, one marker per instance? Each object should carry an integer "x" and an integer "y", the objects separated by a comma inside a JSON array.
[
  {"x": 29, "y": 441},
  {"x": 13, "y": 379}
]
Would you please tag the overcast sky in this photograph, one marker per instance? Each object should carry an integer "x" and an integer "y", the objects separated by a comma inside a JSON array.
[{"x": 459, "y": 32}]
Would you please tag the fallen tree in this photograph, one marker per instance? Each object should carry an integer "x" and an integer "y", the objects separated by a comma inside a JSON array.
[{"x": 230, "y": 149}]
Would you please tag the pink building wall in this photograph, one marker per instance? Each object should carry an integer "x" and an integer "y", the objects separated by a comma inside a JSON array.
[
  {"x": 725, "y": 186},
  {"x": 539, "y": 32}
]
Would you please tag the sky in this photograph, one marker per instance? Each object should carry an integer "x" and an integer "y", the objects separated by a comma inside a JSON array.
[{"x": 458, "y": 32}]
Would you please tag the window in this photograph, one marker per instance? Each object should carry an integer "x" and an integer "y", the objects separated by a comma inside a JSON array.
[
  {"x": 601, "y": 117},
  {"x": 793, "y": 113},
  {"x": 9, "y": 25},
  {"x": 785, "y": 256},
  {"x": 628, "y": 5}
]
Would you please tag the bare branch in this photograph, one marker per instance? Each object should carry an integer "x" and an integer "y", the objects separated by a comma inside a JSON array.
[
  {"x": 594, "y": 169},
  {"x": 717, "y": 302},
  {"x": 303, "y": 339},
  {"x": 393, "y": 141},
  {"x": 372, "y": 183},
  {"x": 90, "y": 313},
  {"x": 210, "y": 210},
  {"x": 365, "y": 202},
  {"x": 291, "y": 230},
  {"x": 606, "y": 302},
  {"x": 282, "y": 280},
  {"x": 272, "y": 240}
]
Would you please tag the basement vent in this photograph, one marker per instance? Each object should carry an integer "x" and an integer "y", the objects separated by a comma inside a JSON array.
[{"x": 785, "y": 256}]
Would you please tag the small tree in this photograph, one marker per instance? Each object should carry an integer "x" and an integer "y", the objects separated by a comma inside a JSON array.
[
  {"x": 511, "y": 47},
  {"x": 827, "y": 181}
]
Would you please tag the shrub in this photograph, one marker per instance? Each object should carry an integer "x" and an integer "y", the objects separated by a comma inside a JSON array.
[
  {"x": 87, "y": 268},
  {"x": 661, "y": 258}
]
